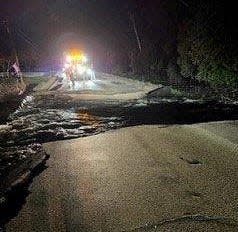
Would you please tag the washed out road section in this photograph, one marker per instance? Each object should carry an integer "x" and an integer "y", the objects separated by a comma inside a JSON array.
[{"x": 144, "y": 178}]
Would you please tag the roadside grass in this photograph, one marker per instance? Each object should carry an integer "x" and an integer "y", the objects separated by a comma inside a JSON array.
[{"x": 177, "y": 92}]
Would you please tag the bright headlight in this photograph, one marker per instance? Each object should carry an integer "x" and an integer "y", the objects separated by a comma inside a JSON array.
[
  {"x": 81, "y": 69},
  {"x": 68, "y": 59},
  {"x": 90, "y": 71},
  {"x": 84, "y": 59},
  {"x": 66, "y": 65}
]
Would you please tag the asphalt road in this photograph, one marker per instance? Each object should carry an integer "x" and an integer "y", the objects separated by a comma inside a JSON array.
[
  {"x": 145, "y": 178},
  {"x": 105, "y": 87}
]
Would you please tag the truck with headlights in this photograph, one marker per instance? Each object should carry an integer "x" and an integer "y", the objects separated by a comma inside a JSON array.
[{"x": 77, "y": 68}]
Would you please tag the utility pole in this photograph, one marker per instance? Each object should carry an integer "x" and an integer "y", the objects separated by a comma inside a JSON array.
[
  {"x": 184, "y": 3},
  {"x": 139, "y": 44},
  {"x": 136, "y": 32}
]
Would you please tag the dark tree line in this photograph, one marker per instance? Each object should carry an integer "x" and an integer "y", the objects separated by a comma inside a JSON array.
[
  {"x": 207, "y": 45},
  {"x": 180, "y": 41}
]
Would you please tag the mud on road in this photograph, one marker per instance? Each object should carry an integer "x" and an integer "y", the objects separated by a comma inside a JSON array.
[{"x": 51, "y": 117}]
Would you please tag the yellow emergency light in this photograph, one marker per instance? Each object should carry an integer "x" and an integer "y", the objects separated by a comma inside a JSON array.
[{"x": 76, "y": 55}]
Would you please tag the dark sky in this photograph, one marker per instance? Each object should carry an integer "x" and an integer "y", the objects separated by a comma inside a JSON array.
[
  {"x": 49, "y": 27},
  {"x": 53, "y": 25}
]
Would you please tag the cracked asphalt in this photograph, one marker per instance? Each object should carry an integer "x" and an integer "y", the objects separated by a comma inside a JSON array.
[{"x": 143, "y": 178}]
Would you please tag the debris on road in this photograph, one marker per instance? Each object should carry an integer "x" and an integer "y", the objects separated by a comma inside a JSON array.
[{"x": 17, "y": 164}]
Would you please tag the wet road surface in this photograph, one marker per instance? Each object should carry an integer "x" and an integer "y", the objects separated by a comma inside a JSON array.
[
  {"x": 128, "y": 179},
  {"x": 146, "y": 178},
  {"x": 38, "y": 121}
]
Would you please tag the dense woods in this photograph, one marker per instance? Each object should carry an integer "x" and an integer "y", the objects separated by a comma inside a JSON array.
[
  {"x": 207, "y": 48},
  {"x": 185, "y": 42}
]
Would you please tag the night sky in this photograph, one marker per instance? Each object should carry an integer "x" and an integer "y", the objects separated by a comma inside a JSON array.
[{"x": 50, "y": 27}]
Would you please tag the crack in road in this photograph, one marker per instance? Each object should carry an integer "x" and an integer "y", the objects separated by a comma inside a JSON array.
[{"x": 191, "y": 217}]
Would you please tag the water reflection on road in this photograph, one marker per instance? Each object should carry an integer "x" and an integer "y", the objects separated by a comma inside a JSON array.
[
  {"x": 36, "y": 122},
  {"x": 32, "y": 123}
]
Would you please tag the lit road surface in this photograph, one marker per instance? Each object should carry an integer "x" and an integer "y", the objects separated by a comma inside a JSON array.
[
  {"x": 104, "y": 87},
  {"x": 145, "y": 178}
]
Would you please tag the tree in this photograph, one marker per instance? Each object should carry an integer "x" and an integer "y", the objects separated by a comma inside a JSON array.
[{"x": 206, "y": 46}]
